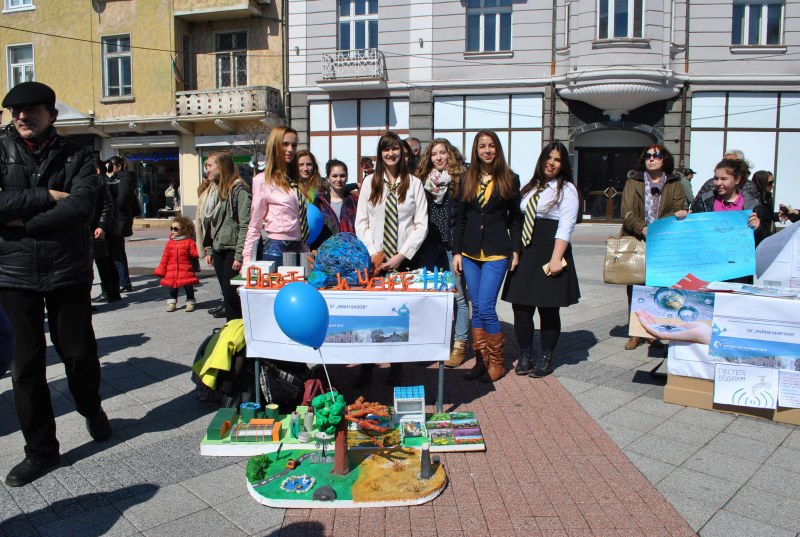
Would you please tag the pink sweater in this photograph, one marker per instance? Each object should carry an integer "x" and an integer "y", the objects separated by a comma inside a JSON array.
[{"x": 273, "y": 210}]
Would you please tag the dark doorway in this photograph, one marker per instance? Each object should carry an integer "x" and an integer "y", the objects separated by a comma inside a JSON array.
[{"x": 602, "y": 173}]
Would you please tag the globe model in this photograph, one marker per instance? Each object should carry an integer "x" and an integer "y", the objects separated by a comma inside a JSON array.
[
  {"x": 342, "y": 254},
  {"x": 670, "y": 299}
]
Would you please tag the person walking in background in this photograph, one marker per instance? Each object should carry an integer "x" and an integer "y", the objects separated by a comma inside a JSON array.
[
  {"x": 178, "y": 261},
  {"x": 765, "y": 182},
  {"x": 487, "y": 239},
  {"x": 367, "y": 168},
  {"x": 546, "y": 277},
  {"x": 278, "y": 206},
  {"x": 654, "y": 191},
  {"x": 123, "y": 188},
  {"x": 106, "y": 214},
  {"x": 391, "y": 221},
  {"x": 441, "y": 170},
  {"x": 228, "y": 207},
  {"x": 686, "y": 184},
  {"x": 47, "y": 199},
  {"x": 201, "y": 222}
]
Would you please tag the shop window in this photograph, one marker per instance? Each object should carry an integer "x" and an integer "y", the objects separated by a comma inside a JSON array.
[
  {"x": 620, "y": 19},
  {"x": 20, "y": 64},
  {"x": 757, "y": 23},
  {"x": 488, "y": 25},
  {"x": 358, "y": 24},
  {"x": 117, "y": 66},
  {"x": 231, "y": 53}
]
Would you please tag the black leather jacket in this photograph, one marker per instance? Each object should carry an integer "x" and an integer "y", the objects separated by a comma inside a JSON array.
[{"x": 52, "y": 248}]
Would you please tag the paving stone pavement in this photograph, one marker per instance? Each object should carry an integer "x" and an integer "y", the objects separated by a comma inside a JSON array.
[{"x": 592, "y": 450}]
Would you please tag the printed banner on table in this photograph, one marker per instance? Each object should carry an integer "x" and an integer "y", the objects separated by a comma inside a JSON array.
[
  {"x": 712, "y": 246},
  {"x": 746, "y": 329},
  {"x": 744, "y": 385},
  {"x": 789, "y": 389},
  {"x": 663, "y": 313},
  {"x": 364, "y": 327}
]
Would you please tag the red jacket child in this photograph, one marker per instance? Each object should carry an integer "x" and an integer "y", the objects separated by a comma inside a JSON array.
[{"x": 175, "y": 268}]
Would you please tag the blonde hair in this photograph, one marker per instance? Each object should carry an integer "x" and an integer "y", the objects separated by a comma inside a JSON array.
[{"x": 277, "y": 172}]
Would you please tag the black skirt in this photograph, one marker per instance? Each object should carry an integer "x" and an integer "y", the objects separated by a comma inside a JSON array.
[{"x": 528, "y": 284}]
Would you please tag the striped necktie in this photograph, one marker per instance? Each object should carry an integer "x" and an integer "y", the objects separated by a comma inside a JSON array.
[
  {"x": 482, "y": 192},
  {"x": 530, "y": 218},
  {"x": 302, "y": 204},
  {"x": 390, "y": 223}
]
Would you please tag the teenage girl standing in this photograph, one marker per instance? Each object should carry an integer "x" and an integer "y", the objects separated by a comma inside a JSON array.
[
  {"x": 391, "y": 221},
  {"x": 550, "y": 210},
  {"x": 486, "y": 244}
]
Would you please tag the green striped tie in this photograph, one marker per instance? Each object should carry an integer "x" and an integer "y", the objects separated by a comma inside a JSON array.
[
  {"x": 302, "y": 203},
  {"x": 390, "y": 224},
  {"x": 482, "y": 192},
  {"x": 530, "y": 218}
]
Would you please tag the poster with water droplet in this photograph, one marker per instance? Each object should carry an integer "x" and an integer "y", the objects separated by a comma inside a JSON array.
[{"x": 746, "y": 385}]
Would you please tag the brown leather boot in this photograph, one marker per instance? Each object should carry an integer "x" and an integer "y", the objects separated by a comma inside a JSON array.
[
  {"x": 479, "y": 348},
  {"x": 495, "y": 369},
  {"x": 633, "y": 342},
  {"x": 457, "y": 354}
]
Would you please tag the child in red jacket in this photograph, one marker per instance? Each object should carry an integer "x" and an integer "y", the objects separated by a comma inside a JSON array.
[{"x": 179, "y": 262}]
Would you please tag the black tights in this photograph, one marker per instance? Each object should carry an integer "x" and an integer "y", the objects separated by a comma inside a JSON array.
[{"x": 550, "y": 326}]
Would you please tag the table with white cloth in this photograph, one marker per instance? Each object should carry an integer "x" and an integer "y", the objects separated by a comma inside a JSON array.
[{"x": 364, "y": 327}]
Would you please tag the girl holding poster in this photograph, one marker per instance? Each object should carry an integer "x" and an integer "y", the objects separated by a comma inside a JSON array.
[{"x": 545, "y": 278}]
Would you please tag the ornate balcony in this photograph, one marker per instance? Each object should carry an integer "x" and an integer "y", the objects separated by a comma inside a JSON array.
[
  {"x": 254, "y": 101},
  {"x": 353, "y": 69}
]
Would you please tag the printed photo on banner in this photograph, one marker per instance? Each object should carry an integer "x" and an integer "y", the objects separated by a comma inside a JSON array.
[
  {"x": 662, "y": 312},
  {"x": 742, "y": 385}
]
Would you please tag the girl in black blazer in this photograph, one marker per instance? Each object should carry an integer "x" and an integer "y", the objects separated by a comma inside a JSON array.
[{"x": 487, "y": 240}]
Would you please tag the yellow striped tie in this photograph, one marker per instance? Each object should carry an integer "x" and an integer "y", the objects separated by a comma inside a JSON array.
[
  {"x": 482, "y": 192},
  {"x": 390, "y": 224},
  {"x": 303, "y": 206},
  {"x": 530, "y": 218}
]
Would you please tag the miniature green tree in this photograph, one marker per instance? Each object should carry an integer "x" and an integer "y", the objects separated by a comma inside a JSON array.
[
  {"x": 257, "y": 468},
  {"x": 329, "y": 409}
]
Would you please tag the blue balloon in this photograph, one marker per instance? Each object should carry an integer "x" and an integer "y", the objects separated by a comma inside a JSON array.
[
  {"x": 302, "y": 314},
  {"x": 315, "y": 223}
]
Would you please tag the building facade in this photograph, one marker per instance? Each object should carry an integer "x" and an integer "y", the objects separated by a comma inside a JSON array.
[
  {"x": 605, "y": 77},
  {"x": 161, "y": 83}
]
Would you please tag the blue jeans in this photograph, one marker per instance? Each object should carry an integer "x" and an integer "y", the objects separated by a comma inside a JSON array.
[
  {"x": 116, "y": 250},
  {"x": 484, "y": 279},
  {"x": 462, "y": 310}
]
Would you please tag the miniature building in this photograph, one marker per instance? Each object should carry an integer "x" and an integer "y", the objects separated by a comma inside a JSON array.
[
  {"x": 223, "y": 420},
  {"x": 413, "y": 426},
  {"x": 258, "y": 430},
  {"x": 409, "y": 400}
]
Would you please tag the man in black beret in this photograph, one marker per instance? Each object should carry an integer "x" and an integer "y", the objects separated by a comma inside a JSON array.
[{"x": 48, "y": 188}]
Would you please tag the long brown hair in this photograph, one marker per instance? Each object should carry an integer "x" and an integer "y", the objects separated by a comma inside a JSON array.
[
  {"x": 389, "y": 140},
  {"x": 540, "y": 180},
  {"x": 455, "y": 162},
  {"x": 309, "y": 186},
  {"x": 277, "y": 172},
  {"x": 501, "y": 173},
  {"x": 227, "y": 172}
]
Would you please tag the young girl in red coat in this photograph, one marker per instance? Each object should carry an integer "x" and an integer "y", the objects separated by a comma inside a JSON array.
[{"x": 178, "y": 262}]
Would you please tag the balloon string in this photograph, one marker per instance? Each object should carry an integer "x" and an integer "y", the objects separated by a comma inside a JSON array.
[{"x": 324, "y": 367}]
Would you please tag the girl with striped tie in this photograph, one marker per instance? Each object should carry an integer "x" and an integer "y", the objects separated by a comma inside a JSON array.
[
  {"x": 486, "y": 244},
  {"x": 279, "y": 204},
  {"x": 545, "y": 278},
  {"x": 391, "y": 221}
]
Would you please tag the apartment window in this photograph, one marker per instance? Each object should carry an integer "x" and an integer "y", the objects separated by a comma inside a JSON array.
[
  {"x": 620, "y": 19},
  {"x": 358, "y": 24},
  {"x": 757, "y": 23},
  {"x": 488, "y": 25},
  {"x": 18, "y": 4},
  {"x": 117, "y": 66},
  {"x": 20, "y": 65},
  {"x": 231, "y": 51}
]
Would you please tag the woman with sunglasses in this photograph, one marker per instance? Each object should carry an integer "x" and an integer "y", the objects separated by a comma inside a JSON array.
[
  {"x": 654, "y": 191},
  {"x": 765, "y": 182}
]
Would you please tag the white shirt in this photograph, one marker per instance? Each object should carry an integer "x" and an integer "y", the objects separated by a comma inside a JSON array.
[
  {"x": 565, "y": 210},
  {"x": 412, "y": 217}
]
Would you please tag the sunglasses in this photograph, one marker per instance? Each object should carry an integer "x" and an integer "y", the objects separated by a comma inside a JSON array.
[
  {"x": 770, "y": 183},
  {"x": 657, "y": 156},
  {"x": 174, "y": 228}
]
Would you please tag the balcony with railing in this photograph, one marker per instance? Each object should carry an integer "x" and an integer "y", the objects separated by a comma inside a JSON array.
[
  {"x": 351, "y": 69},
  {"x": 244, "y": 102}
]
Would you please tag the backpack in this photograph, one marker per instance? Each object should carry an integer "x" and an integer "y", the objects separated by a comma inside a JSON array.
[{"x": 234, "y": 387}]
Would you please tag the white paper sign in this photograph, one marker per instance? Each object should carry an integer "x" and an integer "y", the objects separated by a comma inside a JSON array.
[
  {"x": 364, "y": 327},
  {"x": 789, "y": 389},
  {"x": 744, "y": 385}
]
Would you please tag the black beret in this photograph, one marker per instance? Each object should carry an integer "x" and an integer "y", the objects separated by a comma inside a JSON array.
[{"x": 28, "y": 94}]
